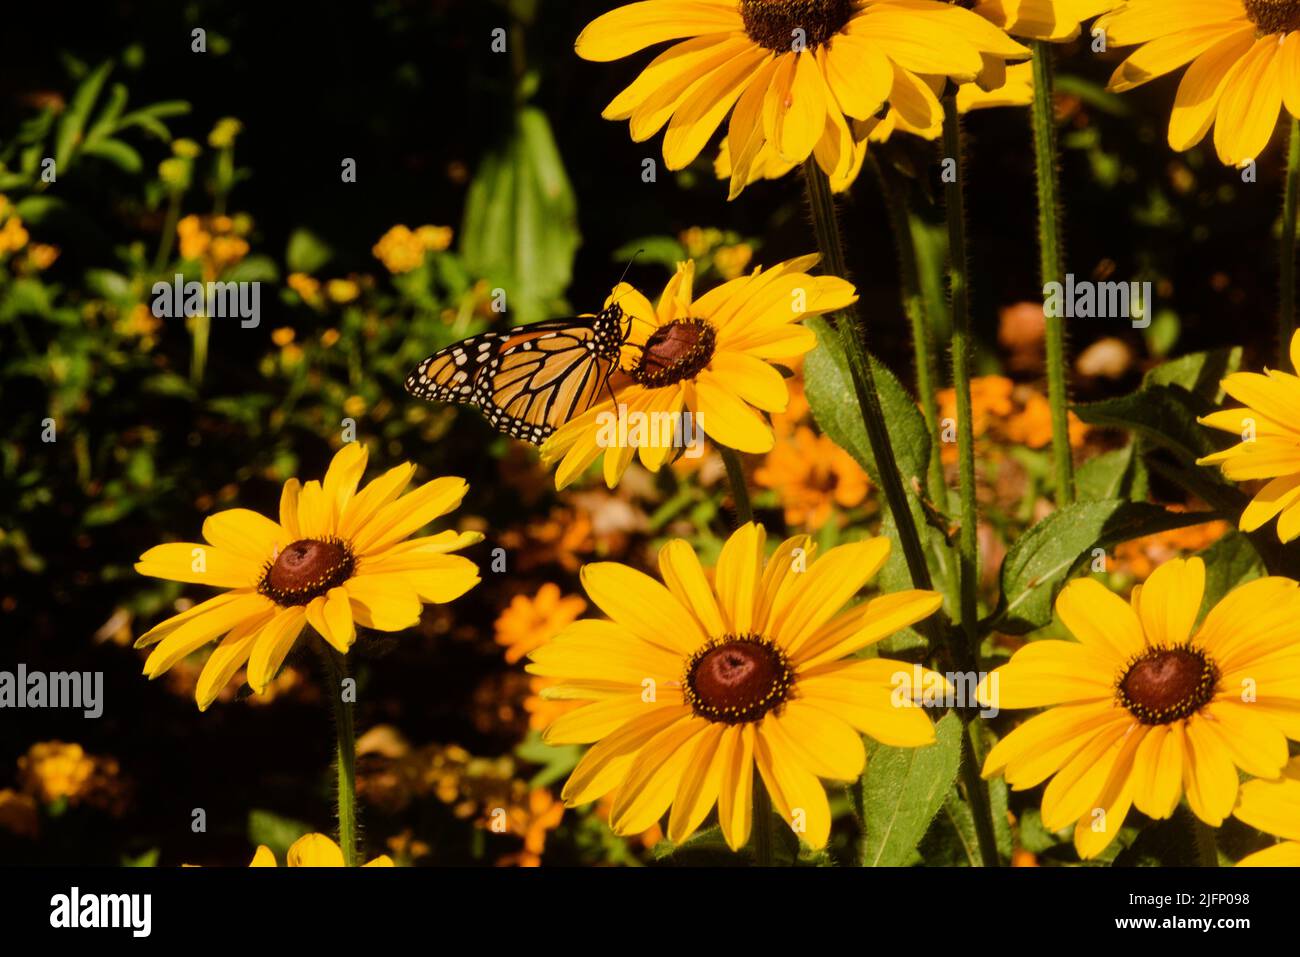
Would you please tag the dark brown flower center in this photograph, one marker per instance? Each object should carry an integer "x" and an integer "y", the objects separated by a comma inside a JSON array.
[
  {"x": 1273, "y": 16},
  {"x": 738, "y": 679},
  {"x": 675, "y": 352},
  {"x": 786, "y": 25},
  {"x": 1163, "y": 685},
  {"x": 307, "y": 569}
]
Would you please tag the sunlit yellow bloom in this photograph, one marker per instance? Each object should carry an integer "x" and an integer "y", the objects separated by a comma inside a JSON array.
[
  {"x": 529, "y": 623},
  {"x": 812, "y": 475},
  {"x": 1273, "y": 807},
  {"x": 1269, "y": 430},
  {"x": 1145, "y": 707},
  {"x": 304, "y": 285},
  {"x": 42, "y": 256},
  {"x": 1245, "y": 66},
  {"x": 695, "y": 681},
  {"x": 710, "y": 356},
  {"x": 1055, "y": 20},
  {"x": 791, "y": 73},
  {"x": 54, "y": 770},
  {"x": 224, "y": 133},
  {"x": 312, "y": 850},
  {"x": 435, "y": 238},
  {"x": 400, "y": 250},
  {"x": 342, "y": 290},
  {"x": 336, "y": 559}
]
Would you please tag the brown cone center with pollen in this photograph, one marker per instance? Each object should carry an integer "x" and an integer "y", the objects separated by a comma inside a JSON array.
[
  {"x": 735, "y": 680},
  {"x": 675, "y": 352},
  {"x": 1273, "y": 16},
  {"x": 772, "y": 23},
  {"x": 1166, "y": 684},
  {"x": 307, "y": 569}
]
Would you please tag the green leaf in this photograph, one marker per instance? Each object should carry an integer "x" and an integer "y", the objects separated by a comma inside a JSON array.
[
  {"x": 1199, "y": 372},
  {"x": 73, "y": 122},
  {"x": 1039, "y": 562},
  {"x": 121, "y": 155},
  {"x": 108, "y": 116},
  {"x": 904, "y": 790},
  {"x": 253, "y": 269},
  {"x": 556, "y": 761},
  {"x": 1116, "y": 474},
  {"x": 307, "y": 252},
  {"x": 148, "y": 858},
  {"x": 663, "y": 250},
  {"x": 1164, "y": 415},
  {"x": 1229, "y": 562},
  {"x": 520, "y": 229},
  {"x": 829, "y": 387},
  {"x": 275, "y": 831}
]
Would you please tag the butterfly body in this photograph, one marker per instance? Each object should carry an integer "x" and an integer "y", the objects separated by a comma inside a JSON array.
[{"x": 529, "y": 380}]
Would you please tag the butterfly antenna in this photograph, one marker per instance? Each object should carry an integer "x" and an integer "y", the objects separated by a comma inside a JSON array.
[{"x": 626, "y": 269}]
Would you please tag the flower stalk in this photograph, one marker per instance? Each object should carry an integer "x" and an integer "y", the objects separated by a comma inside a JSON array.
[
  {"x": 1050, "y": 254},
  {"x": 336, "y": 671},
  {"x": 736, "y": 478},
  {"x": 1290, "y": 197},
  {"x": 849, "y": 326},
  {"x": 968, "y": 540},
  {"x": 902, "y": 217}
]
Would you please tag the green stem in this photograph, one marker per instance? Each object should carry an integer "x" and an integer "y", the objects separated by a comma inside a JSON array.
[
  {"x": 1286, "y": 319},
  {"x": 977, "y": 795},
  {"x": 199, "y": 333},
  {"x": 1207, "y": 852},
  {"x": 955, "y": 207},
  {"x": 852, "y": 335},
  {"x": 1050, "y": 254},
  {"x": 968, "y": 542},
  {"x": 902, "y": 217},
  {"x": 764, "y": 837},
  {"x": 169, "y": 232},
  {"x": 736, "y": 476},
  {"x": 336, "y": 670}
]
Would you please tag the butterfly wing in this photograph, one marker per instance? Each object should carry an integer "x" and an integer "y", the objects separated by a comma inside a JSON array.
[
  {"x": 539, "y": 383},
  {"x": 530, "y": 380}
]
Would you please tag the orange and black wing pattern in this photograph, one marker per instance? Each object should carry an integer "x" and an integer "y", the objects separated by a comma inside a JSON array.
[{"x": 530, "y": 380}]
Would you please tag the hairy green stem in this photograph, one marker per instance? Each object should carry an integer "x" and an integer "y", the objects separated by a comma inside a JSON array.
[
  {"x": 852, "y": 336},
  {"x": 955, "y": 207},
  {"x": 968, "y": 541},
  {"x": 902, "y": 217},
  {"x": 168, "y": 231},
  {"x": 736, "y": 477},
  {"x": 1207, "y": 852},
  {"x": 1050, "y": 255},
  {"x": 336, "y": 671},
  {"x": 977, "y": 795},
  {"x": 1286, "y": 318}
]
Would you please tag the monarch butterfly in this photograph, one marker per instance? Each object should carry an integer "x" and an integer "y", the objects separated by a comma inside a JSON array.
[{"x": 529, "y": 380}]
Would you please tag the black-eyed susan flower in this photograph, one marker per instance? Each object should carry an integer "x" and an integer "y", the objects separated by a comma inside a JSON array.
[
  {"x": 1269, "y": 448},
  {"x": 812, "y": 475},
  {"x": 1145, "y": 707},
  {"x": 1241, "y": 74},
  {"x": 1052, "y": 20},
  {"x": 710, "y": 357},
  {"x": 337, "y": 558},
  {"x": 695, "y": 681},
  {"x": 791, "y": 73},
  {"x": 1274, "y": 808},
  {"x": 312, "y": 850}
]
